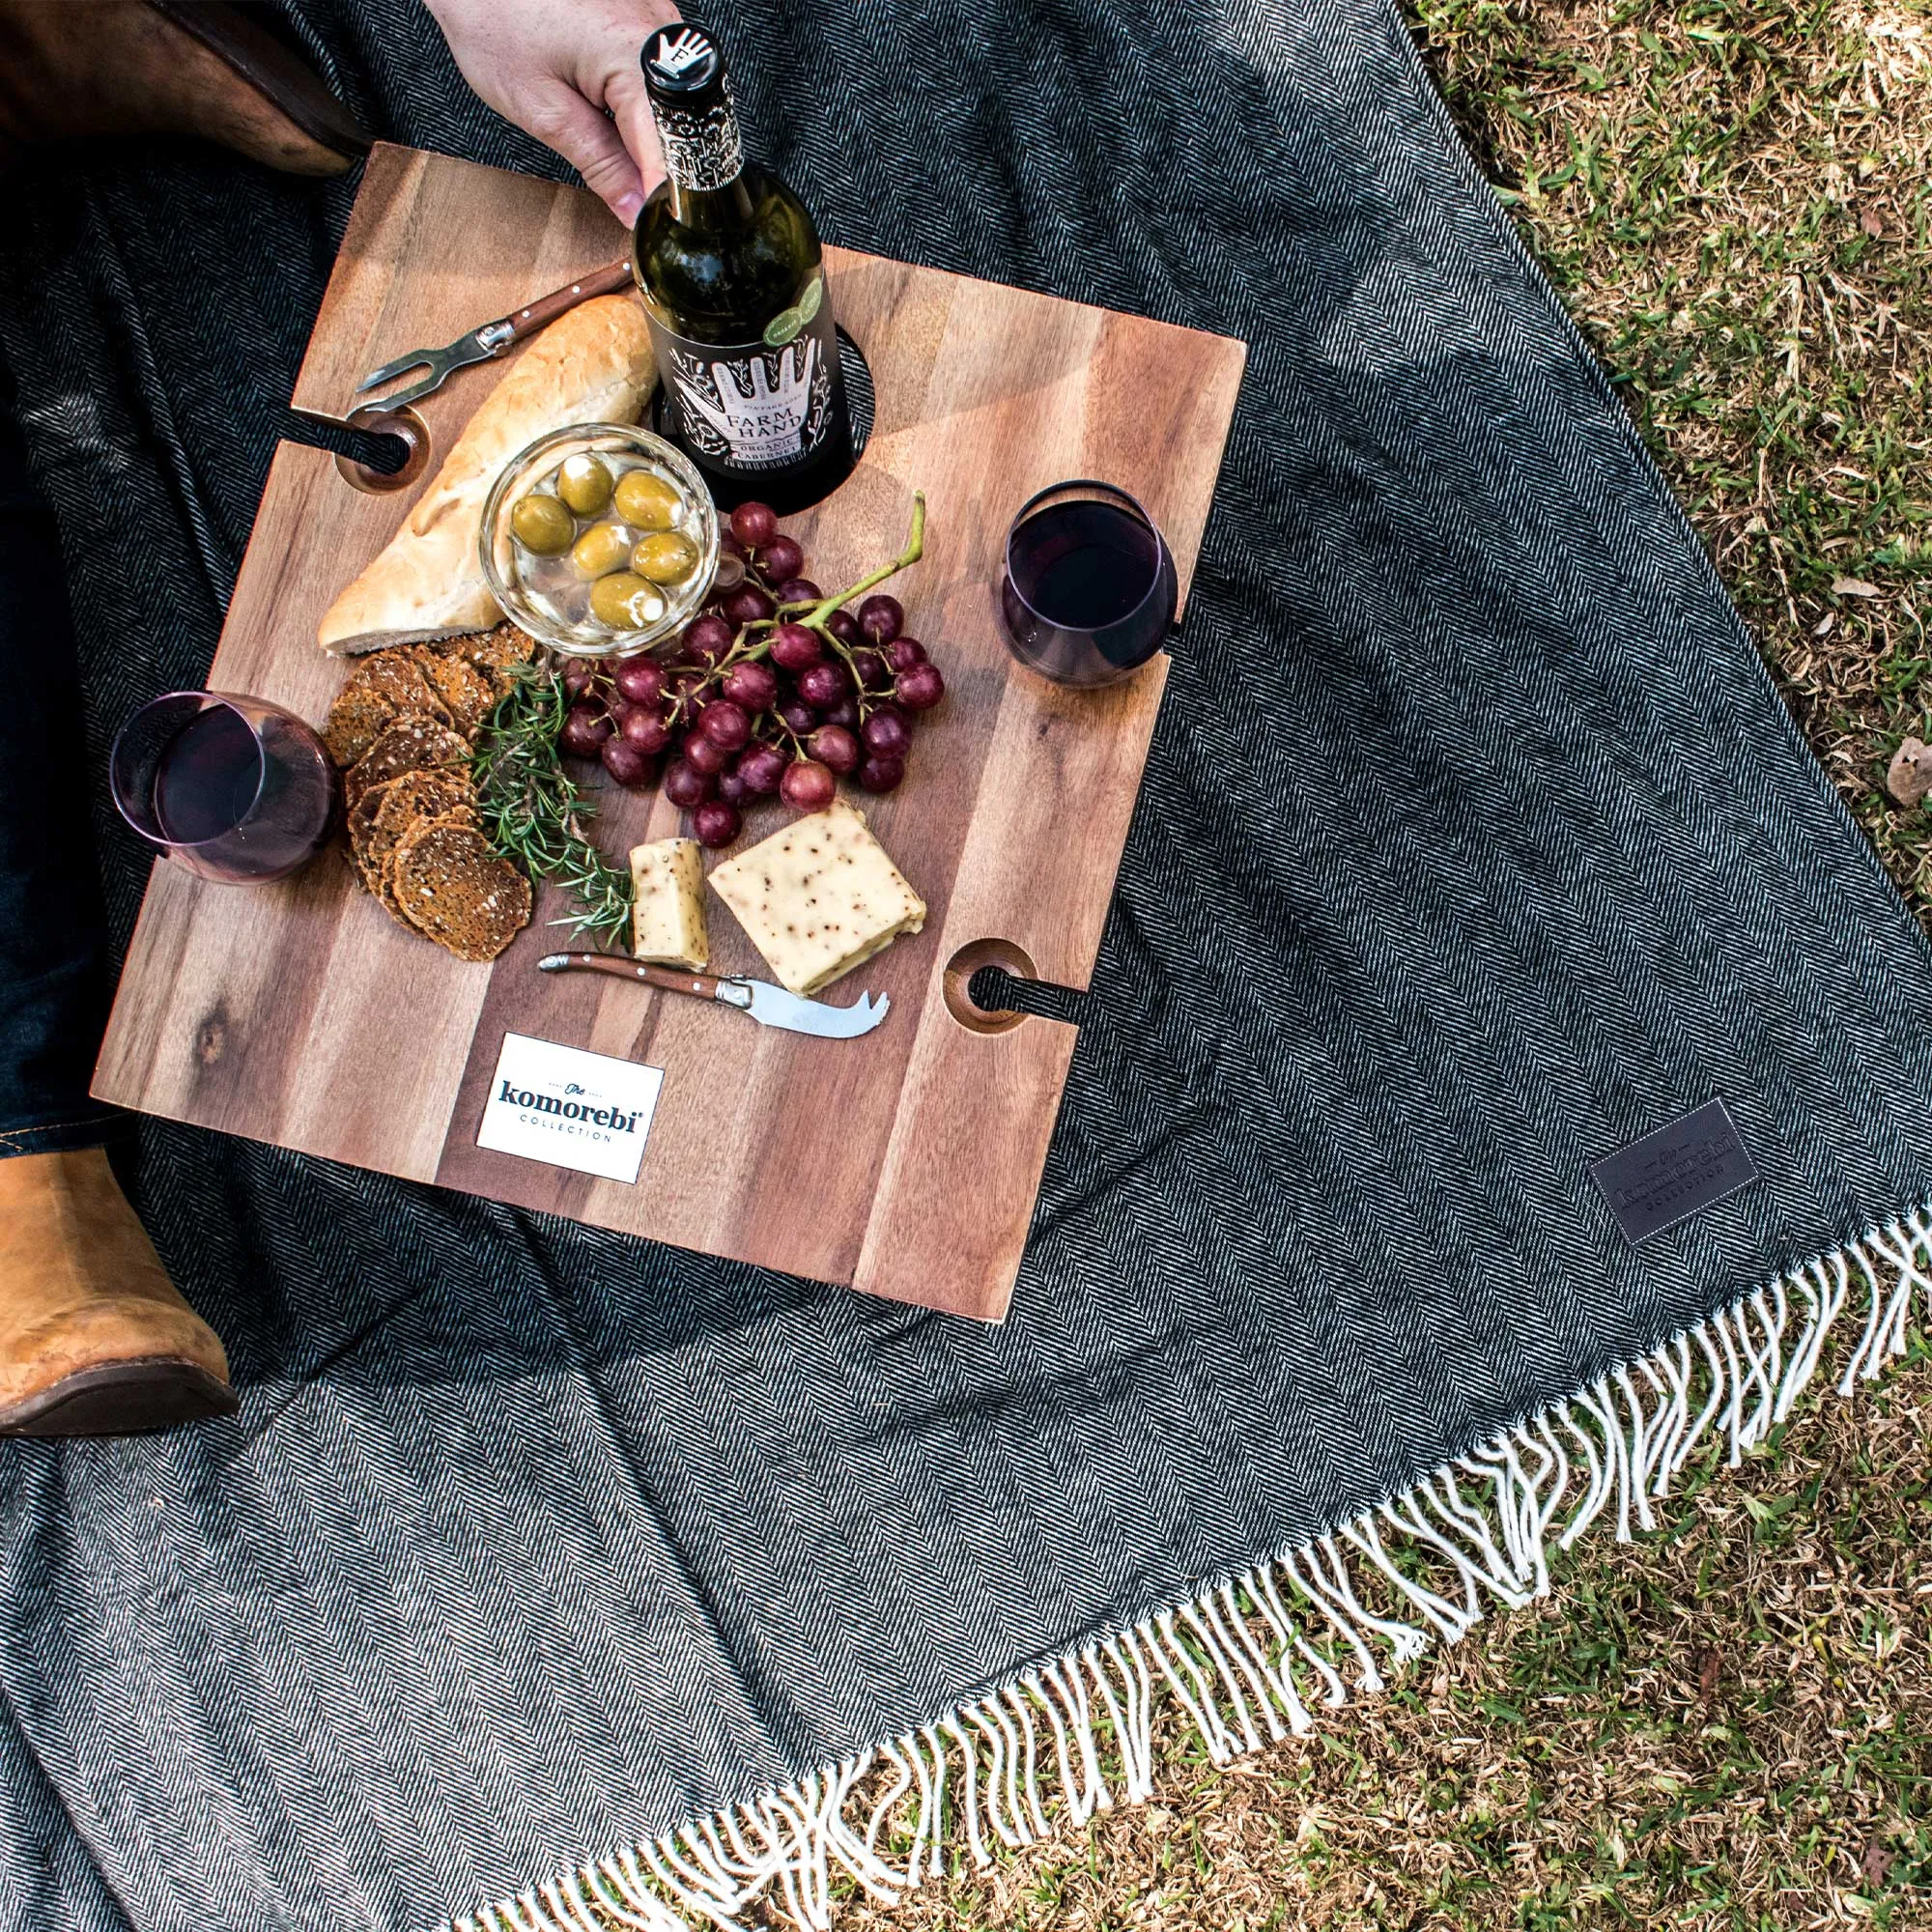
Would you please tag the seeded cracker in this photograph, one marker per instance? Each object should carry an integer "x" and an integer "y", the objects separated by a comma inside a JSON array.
[
  {"x": 464, "y": 689},
  {"x": 381, "y": 689},
  {"x": 451, "y": 885},
  {"x": 495, "y": 653},
  {"x": 386, "y": 813},
  {"x": 411, "y": 744},
  {"x": 384, "y": 881}
]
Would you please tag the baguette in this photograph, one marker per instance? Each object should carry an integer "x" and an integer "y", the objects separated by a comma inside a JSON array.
[{"x": 591, "y": 366}]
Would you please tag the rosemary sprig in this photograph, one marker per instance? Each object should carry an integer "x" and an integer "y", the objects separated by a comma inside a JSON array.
[{"x": 532, "y": 809}]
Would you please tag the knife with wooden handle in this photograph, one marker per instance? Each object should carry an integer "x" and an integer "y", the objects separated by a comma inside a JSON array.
[
  {"x": 770, "y": 1006},
  {"x": 492, "y": 338}
]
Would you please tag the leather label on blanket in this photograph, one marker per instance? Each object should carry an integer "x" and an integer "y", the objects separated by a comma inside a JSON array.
[
  {"x": 569, "y": 1108},
  {"x": 1674, "y": 1173}
]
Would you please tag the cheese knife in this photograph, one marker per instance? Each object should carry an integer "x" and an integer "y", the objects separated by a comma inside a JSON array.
[{"x": 770, "y": 1006}]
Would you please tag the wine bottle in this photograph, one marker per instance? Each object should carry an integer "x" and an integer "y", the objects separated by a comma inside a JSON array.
[{"x": 733, "y": 282}]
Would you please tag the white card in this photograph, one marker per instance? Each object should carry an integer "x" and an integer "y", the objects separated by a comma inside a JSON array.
[{"x": 569, "y": 1108}]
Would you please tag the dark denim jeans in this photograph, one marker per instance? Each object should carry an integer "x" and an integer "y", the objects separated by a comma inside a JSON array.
[{"x": 54, "y": 984}]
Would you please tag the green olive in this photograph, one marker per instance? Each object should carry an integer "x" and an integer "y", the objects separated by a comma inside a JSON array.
[
  {"x": 584, "y": 482},
  {"x": 625, "y": 601},
  {"x": 665, "y": 557},
  {"x": 646, "y": 501},
  {"x": 600, "y": 549},
  {"x": 543, "y": 525}
]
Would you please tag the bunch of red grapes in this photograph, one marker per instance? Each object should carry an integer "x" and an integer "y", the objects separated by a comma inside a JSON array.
[{"x": 751, "y": 703}]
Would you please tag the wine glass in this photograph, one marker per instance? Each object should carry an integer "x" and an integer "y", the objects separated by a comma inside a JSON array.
[
  {"x": 1089, "y": 590},
  {"x": 237, "y": 789}
]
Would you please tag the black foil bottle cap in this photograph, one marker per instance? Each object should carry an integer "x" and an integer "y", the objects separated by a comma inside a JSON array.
[{"x": 683, "y": 67}]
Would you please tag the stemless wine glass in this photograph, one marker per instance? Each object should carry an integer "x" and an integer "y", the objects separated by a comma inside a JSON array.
[
  {"x": 235, "y": 789},
  {"x": 1089, "y": 590}
]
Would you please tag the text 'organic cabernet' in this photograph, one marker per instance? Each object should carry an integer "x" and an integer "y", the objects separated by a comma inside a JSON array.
[{"x": 733, "y": 283}]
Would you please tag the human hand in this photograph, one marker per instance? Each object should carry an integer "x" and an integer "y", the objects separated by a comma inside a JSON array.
[{"x": 558, "y": 69}]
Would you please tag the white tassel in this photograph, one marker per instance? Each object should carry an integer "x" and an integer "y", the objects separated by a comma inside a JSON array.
[
  {"x": 936, "y": 1745},
  {"x": 1129, "y": 1653},
  {"x": 890, "y": 1799},
  {"x": 1369, "y": 1677},
  {"x": 1081, "y": 1716},
  {"x": 1248, "y": 1653},
  {"x": 1022, "y": 1706},
  {"x": 923, "y": 1822},
  {"x": 1335, "y": 1691},
  {"x": 1405, "y": 1514},
  {"x": 1281, "y": 1677},
  {"x": 1875, "y": 1301},
  {"x": 1404, "y": 1639},
  {"x": 1438, "y": 1610},
  {"x": 968, "y": 1803},
  {"x": 1224, "y": 1664},
  {"x": 1536, "y": 1514},
  {"x": 1595, "y": 1490},
  {"x": 1674, "y": 1362},
  {"x": 1235, "y": 1681},
  {"x": 1172, "y": 1658},
  {"x": 1708, "y": 1415},
  {"x": 996, "y": 1761},
  {"x": 1073, "y": 1786},
  {"x": 1638, "y": 1447},
  {"x": 1117, "y": 1717},
  {"x": 1442, "y": 1492}
]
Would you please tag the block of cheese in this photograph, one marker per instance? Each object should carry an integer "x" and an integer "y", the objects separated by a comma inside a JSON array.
[
  {"x": 667, "y": 903},
  {"x": 819, "y": 898}
]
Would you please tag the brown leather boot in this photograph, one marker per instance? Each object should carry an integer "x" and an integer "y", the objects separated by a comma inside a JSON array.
[
  {"x": 94, "y": 1339},
  {"x": 88, "y": 70}
]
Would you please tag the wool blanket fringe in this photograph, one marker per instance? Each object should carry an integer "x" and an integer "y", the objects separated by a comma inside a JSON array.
[{"x": 1252, "y": 1658}]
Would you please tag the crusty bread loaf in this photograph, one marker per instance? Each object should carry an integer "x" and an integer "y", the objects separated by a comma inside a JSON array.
[{"x": 591, "y": 366}]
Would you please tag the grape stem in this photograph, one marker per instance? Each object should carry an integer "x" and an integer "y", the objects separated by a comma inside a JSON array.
[{"x": 915, "y": 550}]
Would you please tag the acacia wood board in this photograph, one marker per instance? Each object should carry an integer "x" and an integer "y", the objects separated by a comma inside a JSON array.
[{"x": 905, "y": 1163}]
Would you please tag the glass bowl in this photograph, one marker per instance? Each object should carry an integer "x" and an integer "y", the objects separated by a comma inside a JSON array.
[{"x": 544, "y": 594}]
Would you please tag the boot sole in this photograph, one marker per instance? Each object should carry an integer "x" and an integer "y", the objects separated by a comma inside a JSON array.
[{"x": 132, "y": 1398}]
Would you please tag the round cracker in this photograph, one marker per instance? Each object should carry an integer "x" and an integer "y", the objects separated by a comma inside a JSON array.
[
  {"x": 452, "y": 886},
  {"x": 414, "y": 742}
]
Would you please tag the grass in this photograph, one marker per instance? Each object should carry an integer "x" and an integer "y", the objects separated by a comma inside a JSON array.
[
  {"x": 1735, "y": 198},
  {"x": 1727, "y": 1727}
]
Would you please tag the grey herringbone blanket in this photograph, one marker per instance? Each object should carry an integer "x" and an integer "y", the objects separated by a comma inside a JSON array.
[{"x": 1475, "y": 844}]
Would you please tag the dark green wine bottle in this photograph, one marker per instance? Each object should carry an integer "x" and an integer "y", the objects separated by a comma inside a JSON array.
[{"x": 734, "y": 287}]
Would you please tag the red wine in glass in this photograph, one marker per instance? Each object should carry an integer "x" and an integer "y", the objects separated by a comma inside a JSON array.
[
  {"x": 235, "y": 789},
  {"x": 1090, "y": 588}
]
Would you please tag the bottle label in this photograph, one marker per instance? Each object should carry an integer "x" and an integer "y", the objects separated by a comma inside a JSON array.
[
  {"x": 750, "y": 406},
  {"x": 702, "y": 148}
]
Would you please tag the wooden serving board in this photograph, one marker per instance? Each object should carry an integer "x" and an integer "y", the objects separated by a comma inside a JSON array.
[{"x": 905, "y": 1163}]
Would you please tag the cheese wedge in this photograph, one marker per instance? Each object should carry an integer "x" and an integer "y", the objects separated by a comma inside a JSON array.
[
  {"x": 667, "y": 904},
  {"x": 819, "y": 898}
]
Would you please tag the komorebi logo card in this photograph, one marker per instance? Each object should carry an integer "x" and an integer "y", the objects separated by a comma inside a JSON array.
[{"x": 569, "y": 1108}]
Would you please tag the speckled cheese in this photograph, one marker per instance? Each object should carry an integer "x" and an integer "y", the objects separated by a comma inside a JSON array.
[
  {"x": 667, "y": 904},
  {"x": 819, "y": 898}
]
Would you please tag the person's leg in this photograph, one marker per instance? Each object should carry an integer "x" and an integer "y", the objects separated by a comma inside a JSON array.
[
  {"x": 110, "y": 69},
  {"x": 93, "y": 1337}
]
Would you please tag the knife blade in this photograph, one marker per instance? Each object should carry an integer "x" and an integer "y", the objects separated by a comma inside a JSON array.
[{"x": 770, "y": 1006}]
